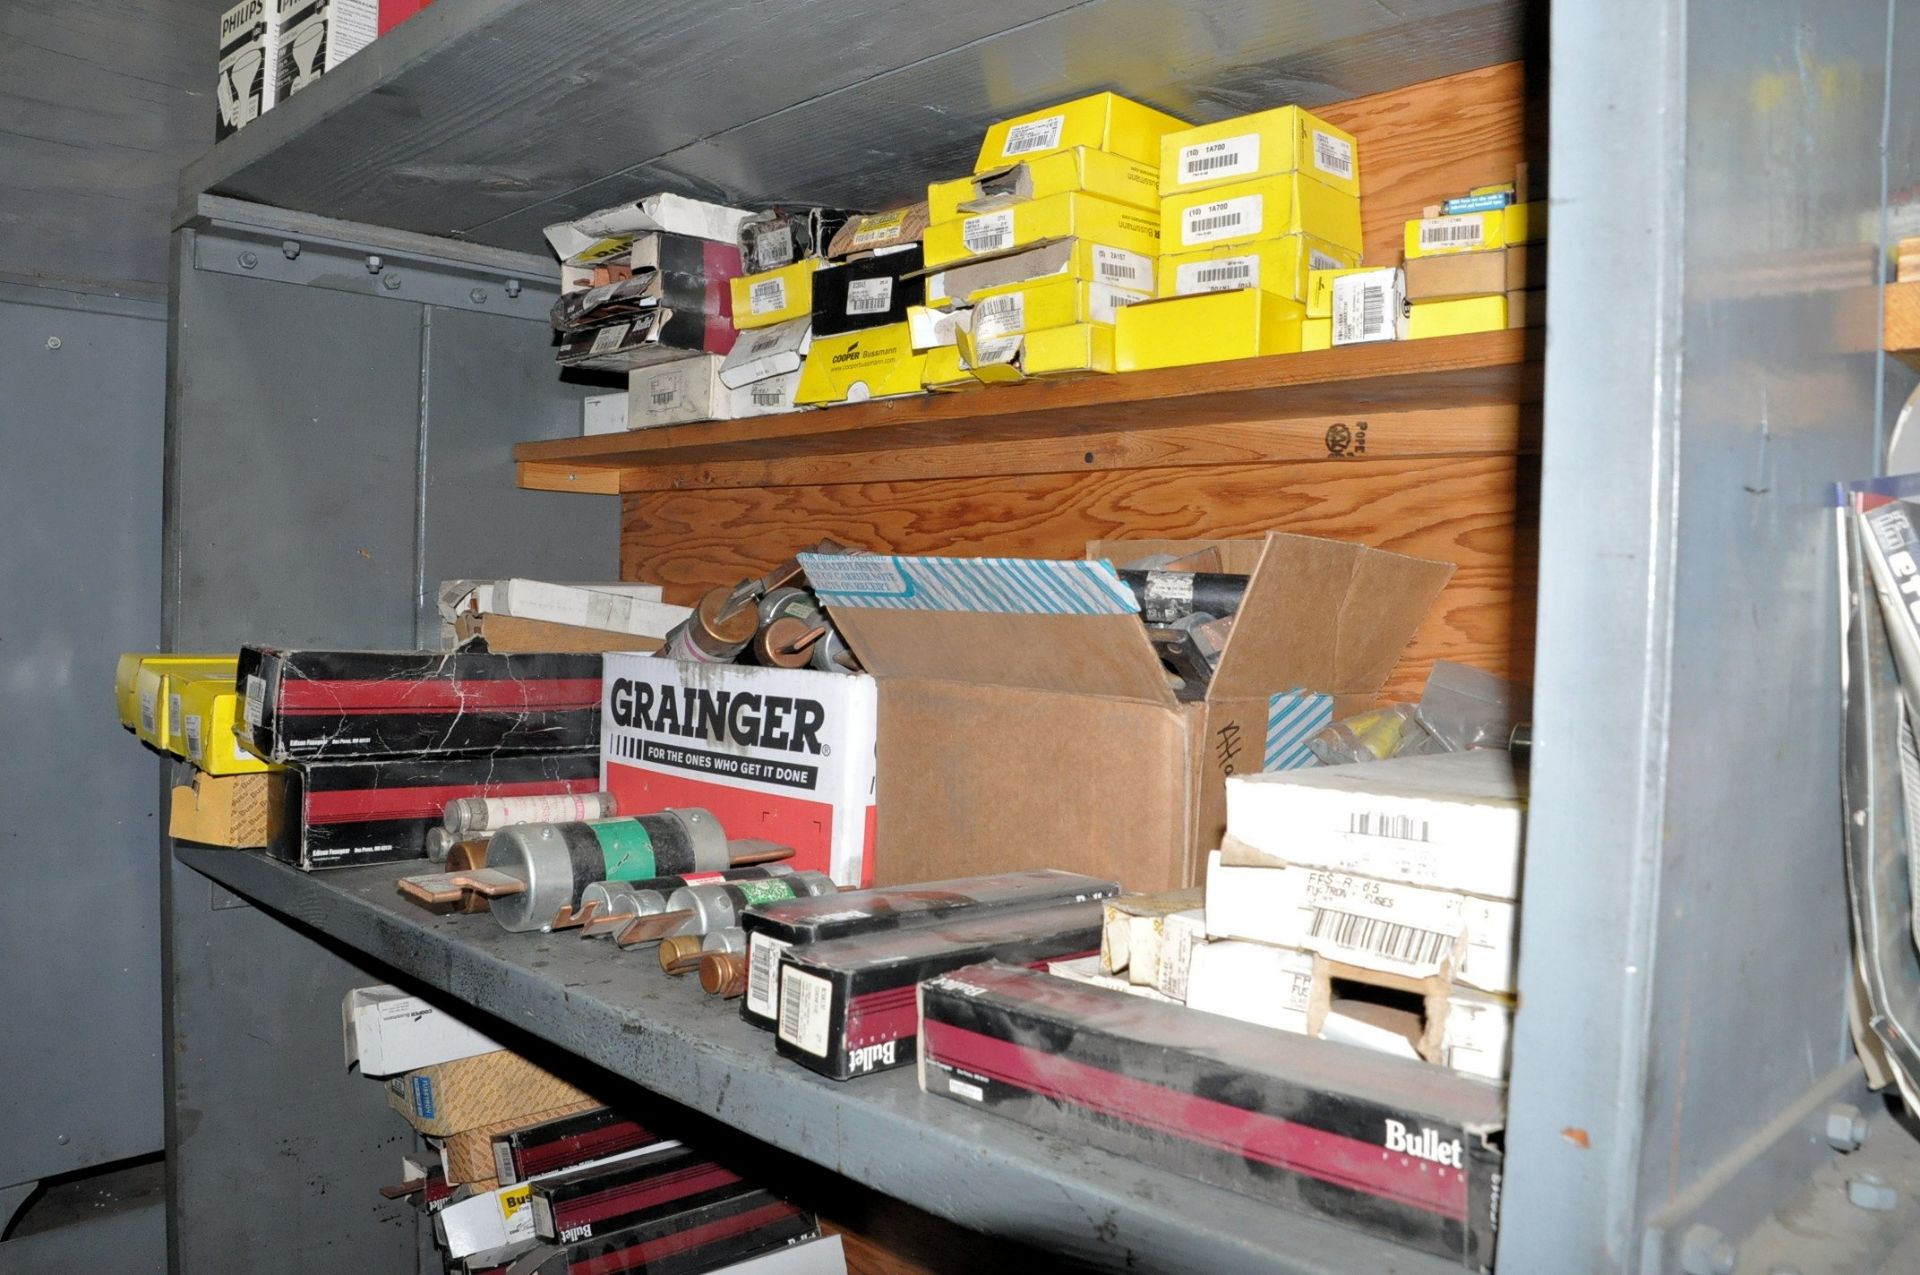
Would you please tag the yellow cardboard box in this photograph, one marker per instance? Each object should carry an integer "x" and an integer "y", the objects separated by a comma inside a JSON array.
[
  {"x": 1104, "y": 121},
  {"x": 1279, "y": 266},
  {"x": 1211, "y": 327},
  {"x": 1316, "y": 334},
  {"x": 773, "y": 296},
  {"x": 1286, "y": 139},
  {"x": 1046, "y": 303},
  {"x": 205, "y": 709},
  {"x": 1320, "y": 289},
  {"x": 1067, "y": 216},
  {"x": 946, "y": 370},
  {"x": 856, "y": 366},
  {"x": 1062, "y": 351},
  {"x": 155, "y": 687},
  {"x": 1265, "y": 208},
  {"x": 1457, "y": 317},
  {"x": 1082, "y": 170},
  {"x": 1080, "y": 259},
  {"x": 136, "y": 712}
]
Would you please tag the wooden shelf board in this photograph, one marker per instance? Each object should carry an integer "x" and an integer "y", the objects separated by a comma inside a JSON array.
[{"x": 906, "y": 438}]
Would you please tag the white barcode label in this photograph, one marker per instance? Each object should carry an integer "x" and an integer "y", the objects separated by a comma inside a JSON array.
[
  {"x": 1228, "y": 157},
  {"x": 1389, "y": 940},
  {"x": 1363, "y": 309},
  {"x": 1000, "y": 316},
  {"x": 1317, "y": 260},
  {"x": 1104, "y": 302},
  {"x": 196, "y": 749},
  {"x": 1377, "y": 823},
  {"x": 869, "y": 296},
  {"x": 256, "y": 699},
  {"x": 999, "y": 350},
  {"x": 1223, "y": 275},
  {"x": 149, "y": 713},
  {"x": 767, "y": 295},
  {"x": 1452, "y": 232},
  {"x": 173, "y": 715},
  {"x": 1298, "y": 992},
  {"x": 1222, "y": 219},
  {"x": 663, "y": 392},
  {"x": 607, "y": 340},
  {"x": 989, "y": 232},
  {"x": 973, "y": 1093},
  {"x": 806, "y": 1010},
  {"x": 1128, "y": 269},
  {"x": 1333, "y": 155},
  {"x": 768, "y": 393},
  {"x": 763, "y": 965},
  {"x": 1034, "y": 135},
  {"x": 776, "y": 246}
]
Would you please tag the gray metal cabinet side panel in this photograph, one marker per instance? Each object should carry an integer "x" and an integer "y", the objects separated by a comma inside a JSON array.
[
  {"x": 491, "y": 383},
  {"x": 80, "y": 444},
  {"x": 1711, "y": 366}
]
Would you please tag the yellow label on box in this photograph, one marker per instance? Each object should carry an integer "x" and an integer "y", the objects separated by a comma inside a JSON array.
[
  {"x": 1103, "y": 121},
  {"x": 1279, "y": 266},
  {"x": 856, "y": 366},
  {"x": 209, "y": 708},
  {"x": 1056, "y": 217},
  {"x": 1266, "y": 208},
  {"x": 1287, "y": 139},
  {"x": 1046, "y": 303},
  {"x": 1458, "y": 317},
  {"x": 1211, "y": 327},
  {"x": 1081, "y": 170},
  {"x": 773, "y": 296},
  {"x": 1080, "y": 259},
  {"x": 1316, "y": 334},
  {"x": 1460, "y": 232}
]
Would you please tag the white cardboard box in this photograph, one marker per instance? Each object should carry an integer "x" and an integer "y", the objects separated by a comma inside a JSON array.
[
  {"x": 389, "y": 1032},
  {"x": 767, "y": 352},
  {"x": 603, "y": 414},
  {"x": 783, "y": 755},
  {"x": 318, "y": 35},
  {"x": 249, "y": 58},
  {"x": 1371, "y": 306},
  {"x": 1253, "y": 982},
  {"x": 690, "y": 389},
  {"x": 1383, "y": 925},
  {"x": 1453, "y": 820},
  {"x": 612, "y": 229}
]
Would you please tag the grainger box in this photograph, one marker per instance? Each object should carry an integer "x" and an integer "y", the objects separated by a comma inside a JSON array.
[
  {"x": 784, "y": 755},
  {"x": 1397, "y": 1148}
]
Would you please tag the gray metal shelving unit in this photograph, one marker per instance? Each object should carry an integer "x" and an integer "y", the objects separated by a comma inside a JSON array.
[{"x": 1718, "y": 174}]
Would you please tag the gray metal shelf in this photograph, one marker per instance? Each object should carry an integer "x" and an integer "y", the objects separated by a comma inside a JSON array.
[
  {"x": 618, "y": 1011},
  {"x": 488, "y": 119}
]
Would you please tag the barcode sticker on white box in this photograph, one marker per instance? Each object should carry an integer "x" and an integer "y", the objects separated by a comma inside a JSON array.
[
  {"x": 989, "y": 232},
  {"x": 1363, "y": 308},
  {"x": 1224, "y": 275},
  {"x": 663, "y": 392},
  {"x": 196, "y": 749},
  {"x": 256, "y": 699},
  {"x": 996, "y": 317},
  {"x": 1034, "y": 135},
  {"x": 1379, "y": 823},
  {"x": 776, "y": 246},
  {"x": 1333, "y": 155},
  {"x": 1238, "y": 218},
  {"x": 1228, "y": 157},
  {"x": 1003, "y": 349},
  {"x": 1383, "y": 926},
  {"x": 763, "y": 967},
  {"x": 1127, "y": 269},
  {"x": 869, "y": 296},
  {"x": 806, "y": 1010},
  {"x": 767, "y": 296},
  {"x": 608, "y": 339},
  {"x": 1452, "y": 232}
]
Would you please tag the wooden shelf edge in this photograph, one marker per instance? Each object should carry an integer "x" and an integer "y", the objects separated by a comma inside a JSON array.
[{"x": 1900, "y": 335}]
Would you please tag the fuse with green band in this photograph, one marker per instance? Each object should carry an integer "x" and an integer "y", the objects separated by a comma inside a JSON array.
[
  {"x": 707, "y": 908},
  {"x": 558, "y": 861}
]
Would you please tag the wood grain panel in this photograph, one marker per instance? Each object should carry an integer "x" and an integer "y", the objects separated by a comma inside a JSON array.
[
  {"x": 1469, "y": 511},
  {"x": 1423, "y": 143}
]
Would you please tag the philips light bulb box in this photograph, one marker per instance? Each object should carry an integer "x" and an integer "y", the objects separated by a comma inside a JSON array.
[
  {"x": 316, "y": 36},
  {"x": 1396, "y": 1148},
  {"x": 783, "y": 755},
  {"x": 249, "y": 56},
  {"x": 1021, "y": 705}
]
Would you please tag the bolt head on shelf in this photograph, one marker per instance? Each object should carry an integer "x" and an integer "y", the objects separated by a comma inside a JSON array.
[
  {"x": 1870, "y": 1191},
  {"x": 1846, "y": 1127}
]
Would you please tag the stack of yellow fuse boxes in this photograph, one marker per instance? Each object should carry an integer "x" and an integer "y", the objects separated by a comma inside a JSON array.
[
  {"x": 187, "y": 705},
  {"x": 1249, "y": 206},
  {"x": 1474, "y": 263},
  {"x": 1055, "y": 233}
]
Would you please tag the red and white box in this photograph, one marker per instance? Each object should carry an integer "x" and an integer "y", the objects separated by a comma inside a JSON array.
[{"x": 782, "y": 755}]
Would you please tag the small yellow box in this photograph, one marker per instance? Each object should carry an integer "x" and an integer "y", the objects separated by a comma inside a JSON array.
[
  {"x": 853, "y": 367},
  {"x": 207, "y": 708},
  {"x": 1046, "y": 303},
  {"x": 126, "y": 678},
  {"x": 1316, "y": 334},
  {"x": 1279, "y": 266},
  {"x": 1082, "y": 170},
  {"x": 1062, "y": 351},
  {"x": 1104, "y": 121},
  {"x": 1211, "y": 327},
  {"x": 1286, "y": 139},
  {"x": 1320, "y": 290},
  {"x": 1265, "y": 208},
  {"x": 1457, "y": 317},
  {"x": 1080, "y": 259},
  {"x": 1056, "y": 217},
  {"x": 773, "y": 296},
  {"x": 945, "y": 370},
  {"x": 157, "y": 713},
  {"x": 1461, "y": 232},
  {"x": 1525, "y": 223}
]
